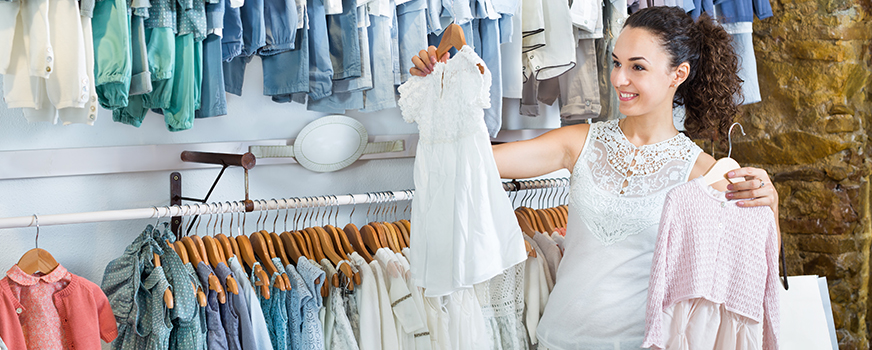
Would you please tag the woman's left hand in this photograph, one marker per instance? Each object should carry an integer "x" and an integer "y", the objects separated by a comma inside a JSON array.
[{"x": 757, "y": 188}]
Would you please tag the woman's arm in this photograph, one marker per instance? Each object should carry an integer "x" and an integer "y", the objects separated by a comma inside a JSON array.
[{"x": 552, "y": 151}]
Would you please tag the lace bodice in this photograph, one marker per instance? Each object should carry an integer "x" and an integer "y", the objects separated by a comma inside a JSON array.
[
  {"x": 448, "y": 103},
  {"x": 619, "y": 188}
]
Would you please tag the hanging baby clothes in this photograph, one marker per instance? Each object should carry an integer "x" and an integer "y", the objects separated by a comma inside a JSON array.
[
  {"x": 229, "y": 314},
  {"x": 535, "y": 295},
  {"x": 275, "y": 312},
  {"x": 502, "y": 305},
  {"x": 313, "y": 332},
  {"x": 696, "y": 298},
  {"x": 54, "y": 310},
  {"x": 259, "y": 337},
  {"x": 193, "y": 336},
  {"x": 341, "y": 335},
  {"x": 406, "y": 317},
  {"x": 298, "y": 293},
  {"x": 185, "y": 314},
  {"x": 349, "y": 299},
  {"x": 368, "y": 306},
  {"x": 546, "y": 271},
  {"x": 552, "y": 253},
  {"x": 247, "y": 337},
  {"x": 131, "y": 301},
  {"x": 216, "y": 337},
  {"x": 389, "y": 338},
  {"x": 46, "y": 59},
  {"x": 421, "y": 338},
  {"x": 484, "y": 235}
]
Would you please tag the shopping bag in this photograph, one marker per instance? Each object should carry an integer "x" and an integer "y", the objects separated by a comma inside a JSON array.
[{"x": 806, "y": 315}]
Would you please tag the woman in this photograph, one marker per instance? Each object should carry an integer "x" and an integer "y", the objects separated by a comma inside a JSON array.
[{"x": 622, "y": 170}]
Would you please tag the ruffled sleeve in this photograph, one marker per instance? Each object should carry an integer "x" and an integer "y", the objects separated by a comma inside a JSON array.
[{"x": 412, "y": 96}]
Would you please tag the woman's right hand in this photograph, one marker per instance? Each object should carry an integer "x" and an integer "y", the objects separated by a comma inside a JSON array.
[{"x": 425, "y": 61}]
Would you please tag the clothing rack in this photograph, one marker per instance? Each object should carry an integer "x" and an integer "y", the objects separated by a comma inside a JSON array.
[{"x": 239, "y": 206}]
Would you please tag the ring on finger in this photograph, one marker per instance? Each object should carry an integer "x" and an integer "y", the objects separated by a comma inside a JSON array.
[{"x": 762, "y": 183}]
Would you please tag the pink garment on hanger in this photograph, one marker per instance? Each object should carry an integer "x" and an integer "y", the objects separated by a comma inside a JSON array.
[{"x": 709, "y": 248}]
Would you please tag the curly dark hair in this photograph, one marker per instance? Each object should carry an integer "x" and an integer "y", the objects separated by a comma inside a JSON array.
[{"x": 711, "y": 92}]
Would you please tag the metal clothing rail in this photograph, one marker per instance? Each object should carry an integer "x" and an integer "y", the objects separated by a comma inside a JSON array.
[{"x": 239, "y": 206}]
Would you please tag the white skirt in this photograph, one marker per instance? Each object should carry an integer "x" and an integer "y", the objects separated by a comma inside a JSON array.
[{"x": 699, "y": 324}]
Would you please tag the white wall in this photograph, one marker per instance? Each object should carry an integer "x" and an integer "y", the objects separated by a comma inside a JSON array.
[{"x": 86, "y": 249}]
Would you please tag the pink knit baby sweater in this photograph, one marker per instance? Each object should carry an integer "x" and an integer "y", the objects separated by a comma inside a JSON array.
[{"x": 709, "y": 248}]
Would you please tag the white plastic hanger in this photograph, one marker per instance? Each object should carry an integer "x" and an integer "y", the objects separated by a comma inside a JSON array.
[{"x": 719, "y": 170}]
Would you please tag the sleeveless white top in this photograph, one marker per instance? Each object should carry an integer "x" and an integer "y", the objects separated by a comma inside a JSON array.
[{"x": 617, "y": 193}]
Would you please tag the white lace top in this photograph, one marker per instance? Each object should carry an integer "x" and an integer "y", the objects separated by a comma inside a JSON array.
[
  {"x": 617, "y": 195},
  {"x": 465, "y": 229},
  {"x": 502, "y": 305}
]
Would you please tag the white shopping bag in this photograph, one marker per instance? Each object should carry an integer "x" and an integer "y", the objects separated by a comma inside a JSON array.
[{"x": 806, "y": 315}]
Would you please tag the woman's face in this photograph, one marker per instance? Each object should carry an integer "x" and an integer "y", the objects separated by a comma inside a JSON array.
[{"x": 642, "y": 74}]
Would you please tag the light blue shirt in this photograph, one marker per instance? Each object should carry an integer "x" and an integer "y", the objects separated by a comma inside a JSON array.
[{"x": 259, "y": 337}]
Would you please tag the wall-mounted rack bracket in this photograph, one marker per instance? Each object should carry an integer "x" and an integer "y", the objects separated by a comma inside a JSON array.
[{"x": 246, "y": 161}]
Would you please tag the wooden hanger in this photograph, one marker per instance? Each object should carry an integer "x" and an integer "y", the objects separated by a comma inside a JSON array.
[
  {"x": 338, "y": 238},
  {"x": 381, "y": 230},
  {"x": 168, "y": 295},
  {"x": 401, "y": 239},
  {"x": 403, "y": 233},
  {"x": 316, "y": 244},
  {"x": 180, "y": 249},
  {"x": 525, "y": 225},
  {"x": 547, "y": 223},
  {"x": 224, "y": 244},
  {"x": 301, "y": 244},
  {"x": 36, "y": 259},
  {"x": 453, "y": 37},
  {"x": 246, "y": 253},
  {"x": 279, "y": 247},
  {"x": 354, "y": 236},
  {"x": 291, "y": 248},
  {"x": 327, "y": 247},
  {"x": 370, "y": 238},
  {"x": 337, "y": 243},
  {"x": 261, "y": 250},
  {"x": 267, "y": 240},
  {"x": 196, "y": 259},
  {"x": 530, "y": 251},
  {"x": 216, "y": 256},
  {"x": 393, "y": 239},
  {"x": 534, "y": 219},
  {"x": 718, "y": 172}
]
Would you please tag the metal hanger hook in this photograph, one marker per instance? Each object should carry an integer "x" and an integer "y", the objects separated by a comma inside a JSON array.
[
  {"x": 287, "y": 211},
  {"x": 36, "y": 221},
  {"x": 353, "y": 205},
  {"x": 730, "y": 137},
  {"x": 276, "y": 220}
]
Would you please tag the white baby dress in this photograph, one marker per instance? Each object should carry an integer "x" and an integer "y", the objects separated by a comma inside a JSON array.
[{"x": 463, "y": 228}]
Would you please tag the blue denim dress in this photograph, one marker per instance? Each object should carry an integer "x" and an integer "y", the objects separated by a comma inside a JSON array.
[
  {"x": 216, "y": 338},
  {"x": 275, "y": 313},
  {"x": 229, "y": 316}
]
